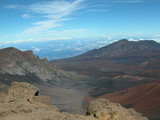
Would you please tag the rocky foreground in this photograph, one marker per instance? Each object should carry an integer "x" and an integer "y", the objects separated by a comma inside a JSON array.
[{"x": 23, "y": 103}]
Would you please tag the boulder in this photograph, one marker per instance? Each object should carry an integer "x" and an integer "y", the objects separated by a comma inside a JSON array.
[
  {"x": 42, "y": 99},
  {"x": 103, "y": 109},
  {"x": 23, "y": 90},
  {"x": 2, "y": 96}
]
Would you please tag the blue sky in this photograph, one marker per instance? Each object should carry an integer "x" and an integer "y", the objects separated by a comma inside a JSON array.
[{"x": 40, "y": 20}]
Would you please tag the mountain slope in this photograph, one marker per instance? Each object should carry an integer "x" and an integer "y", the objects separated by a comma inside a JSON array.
[
  {"x": 143, "y": 98},
  {"x": 16, "y": 62},
  {"x": 124, "y": 56},
  {"x": 126, "y": 48}
]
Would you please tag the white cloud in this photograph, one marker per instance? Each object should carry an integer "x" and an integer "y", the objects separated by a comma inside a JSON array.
[
  {"x": 25, "y": 16},
  {"x": 53, "y": 57},
  {"x": 11, "y": 6},
  {"x": 34, "y": 40},
  {"x": 156, "y": 36},
  {"x": 135, "y": 1},
  {"x": 53, "y": 13},
  {"x": 130, "y": 1},
  {"x": 78, "y": 49},
  {"x": 109, "y": 38},
  {"x": 56, "y": 9},
  {"x": 130, "y": 39},
  {"x": 36, "y": 49},
  {"x": 42, "y": 26},
  {"x": 58, "y": 50}
]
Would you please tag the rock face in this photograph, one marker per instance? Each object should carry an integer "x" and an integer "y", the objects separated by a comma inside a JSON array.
[
  {"x": 16, "y": 62},
  {"x": 23, "y": 103}
]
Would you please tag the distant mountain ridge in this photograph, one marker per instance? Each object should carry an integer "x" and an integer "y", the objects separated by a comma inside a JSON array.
[
  {"x": 126, "y": 48},
  {"x": 118, "y": 56}
]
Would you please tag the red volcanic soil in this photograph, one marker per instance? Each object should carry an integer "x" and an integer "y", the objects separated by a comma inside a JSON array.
[{"x": 143, "y": 98}]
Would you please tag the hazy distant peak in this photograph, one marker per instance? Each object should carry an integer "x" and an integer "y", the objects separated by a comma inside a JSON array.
[
  {"x": 123, "y": 40},
  {"x": 126, "y": 48}
]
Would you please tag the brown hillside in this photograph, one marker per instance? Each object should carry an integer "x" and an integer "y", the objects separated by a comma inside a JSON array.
[{"x": 143, "y": 98}]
